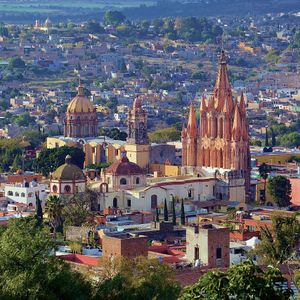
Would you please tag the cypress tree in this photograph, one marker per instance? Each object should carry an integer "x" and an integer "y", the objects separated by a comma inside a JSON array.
[
  {"x": 157, "y": 214},
  {"x": 267, "y": 138},
  {"x": 38, "y": 210},
  {"x": 182, "y": 216},
  {"x": 166, "y": 214},
  {"x": 173, "y": 212}
]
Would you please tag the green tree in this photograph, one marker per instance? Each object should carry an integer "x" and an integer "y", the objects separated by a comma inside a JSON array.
[
  {"x": 165, "y": 135},
  {"x": 76, "y": 211},
  {"x": 140, "y": 278},
  {"x": 166, "y": 213},
  {"x": 173, "y": 212},
  {"x": 29, "y": 271},
  {"x": 280, "y": 189},
  {"x": 157, "y": 214},
  {"x": 243, "y": 281},
  {"x": 38, "y": 210},
  {"x": 17, "y": 163},
  {"x": 24, "y": 120},
  {"x": 50, "y": 159},
  {"x": 182, "y": 215},
  {"x": 290, "y": 140},
  {"x": 53, "y": 208},
  {"x": 264, "y": 171},
  {"x": 113, "y": 17},
  {"x": 93, "y": 27},
  {"x": 17, "y": 62},
  {"x": 279, "y": 243}
]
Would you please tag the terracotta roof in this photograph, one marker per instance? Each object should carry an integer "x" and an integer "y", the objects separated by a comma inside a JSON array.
[{"x": 124, "y": 167}]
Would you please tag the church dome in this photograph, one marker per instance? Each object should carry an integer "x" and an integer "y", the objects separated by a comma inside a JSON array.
[
  {"x": 124, "y": 167},
  {"x": 80, "y": 104},
  {"x": 68, "y": 171}
]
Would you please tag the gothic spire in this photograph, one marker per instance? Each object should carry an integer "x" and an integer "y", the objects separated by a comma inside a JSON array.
[
  {"x": 203, "y": 107},
  {"x": 192, "y": 126},
  {"x": 237, "y": 124},
  {"x": 222, "y": 91},
  {"x": 242, "y": 104}
]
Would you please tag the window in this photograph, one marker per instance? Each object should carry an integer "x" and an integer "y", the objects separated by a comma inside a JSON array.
[
  {"x": 67, "y": 189},
  {"x": 115, "y": 203},
  {"x": 30, "y": 195},
  {"x": 10, "y": 193},
  {"x": 17, "y": 194},
  {"x": 129, "y": 202},
  {"x": 54, "y": 188},
  {"x": 154, "y": 201},
  {"x": 123, "y": 181},
  {"x": 219, "y": 253},
  {"x": 137, "y": 180},
  {"x": 23, "y": 195},
  {"x": 190, "y": 194},
  {"x": 196, "y": 253}
]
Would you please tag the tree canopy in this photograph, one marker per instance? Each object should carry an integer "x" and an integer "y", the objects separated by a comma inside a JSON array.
[
  {"x": 280, "y": 189},
  {"x": 243, "y": 281},
  {"x": 279, "y": 243},
  {"x": 164, "y": 135},
  {"x": 50, "y": 159},
  {"x": 113, "y": 17},
  {"x": 29, "y": 271},
  {"x": 140, "y": 278}
]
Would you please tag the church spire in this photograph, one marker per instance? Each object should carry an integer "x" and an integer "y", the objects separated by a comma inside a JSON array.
[
  {"x": 237, "y": 124},
  {"x": 203, "y": 107},
  {"x": 242, "y": 104},
  {"x": 222, "y": 91},
  {"x": 192, "y": 126}
]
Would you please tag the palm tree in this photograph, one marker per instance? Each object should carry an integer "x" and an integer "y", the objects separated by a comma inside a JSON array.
[{"x": 54, "y": 208}]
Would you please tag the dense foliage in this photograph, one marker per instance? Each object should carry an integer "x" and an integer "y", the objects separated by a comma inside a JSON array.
[
  {"x": 244, "y": 281},
  {"x": 280, "y": 189},
  {"x": 140, "y": 278},
  {"x": 279, "y": 243},
  {"x": 165, "y": 135},
  {"x": 29, "y": 271},
  {"x": 113, "y": 133},
  {"x": 50, "y": 159}
]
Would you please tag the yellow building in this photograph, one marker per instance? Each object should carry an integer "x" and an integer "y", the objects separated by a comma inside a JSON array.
[
  {"x": 275, "y": 157},
  {"x": 139, "y": 154}
]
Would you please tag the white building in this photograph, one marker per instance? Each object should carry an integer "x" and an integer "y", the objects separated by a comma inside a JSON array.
[{"x": 25, "y": 192}]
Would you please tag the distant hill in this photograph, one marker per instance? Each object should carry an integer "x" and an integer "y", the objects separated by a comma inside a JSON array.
[{"x": 26, "y": 11}]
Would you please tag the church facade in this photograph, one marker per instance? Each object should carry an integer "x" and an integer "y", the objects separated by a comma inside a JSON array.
[
  {"x": 137, "y": 146},
  {"x": 219, "y": 143},
  {"x": 81, "y": 117}
]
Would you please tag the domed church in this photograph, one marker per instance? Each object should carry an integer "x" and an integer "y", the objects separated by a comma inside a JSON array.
[
  {"x": 81, "y": 117},
  {"x": 68, "y": 179}
]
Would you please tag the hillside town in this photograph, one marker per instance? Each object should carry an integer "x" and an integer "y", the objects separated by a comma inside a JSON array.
[{"x": 169, "y": 144}]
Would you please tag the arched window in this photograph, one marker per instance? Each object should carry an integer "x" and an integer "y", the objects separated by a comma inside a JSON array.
[
  {"x": 137, "y": 180},
  {"x": 67, "y": 189},
  {"x": 154, "y": 201},
  {"x": 115, "y": 203},
  {"x": 123, "y": 181},
  {"x": 23, "y": 195},
  {"x": 30, "y": 195},
  {"x": 10, "y": 193},
  {"x": 17, "y": 194},
  {"x": 54, "y": 188}
]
